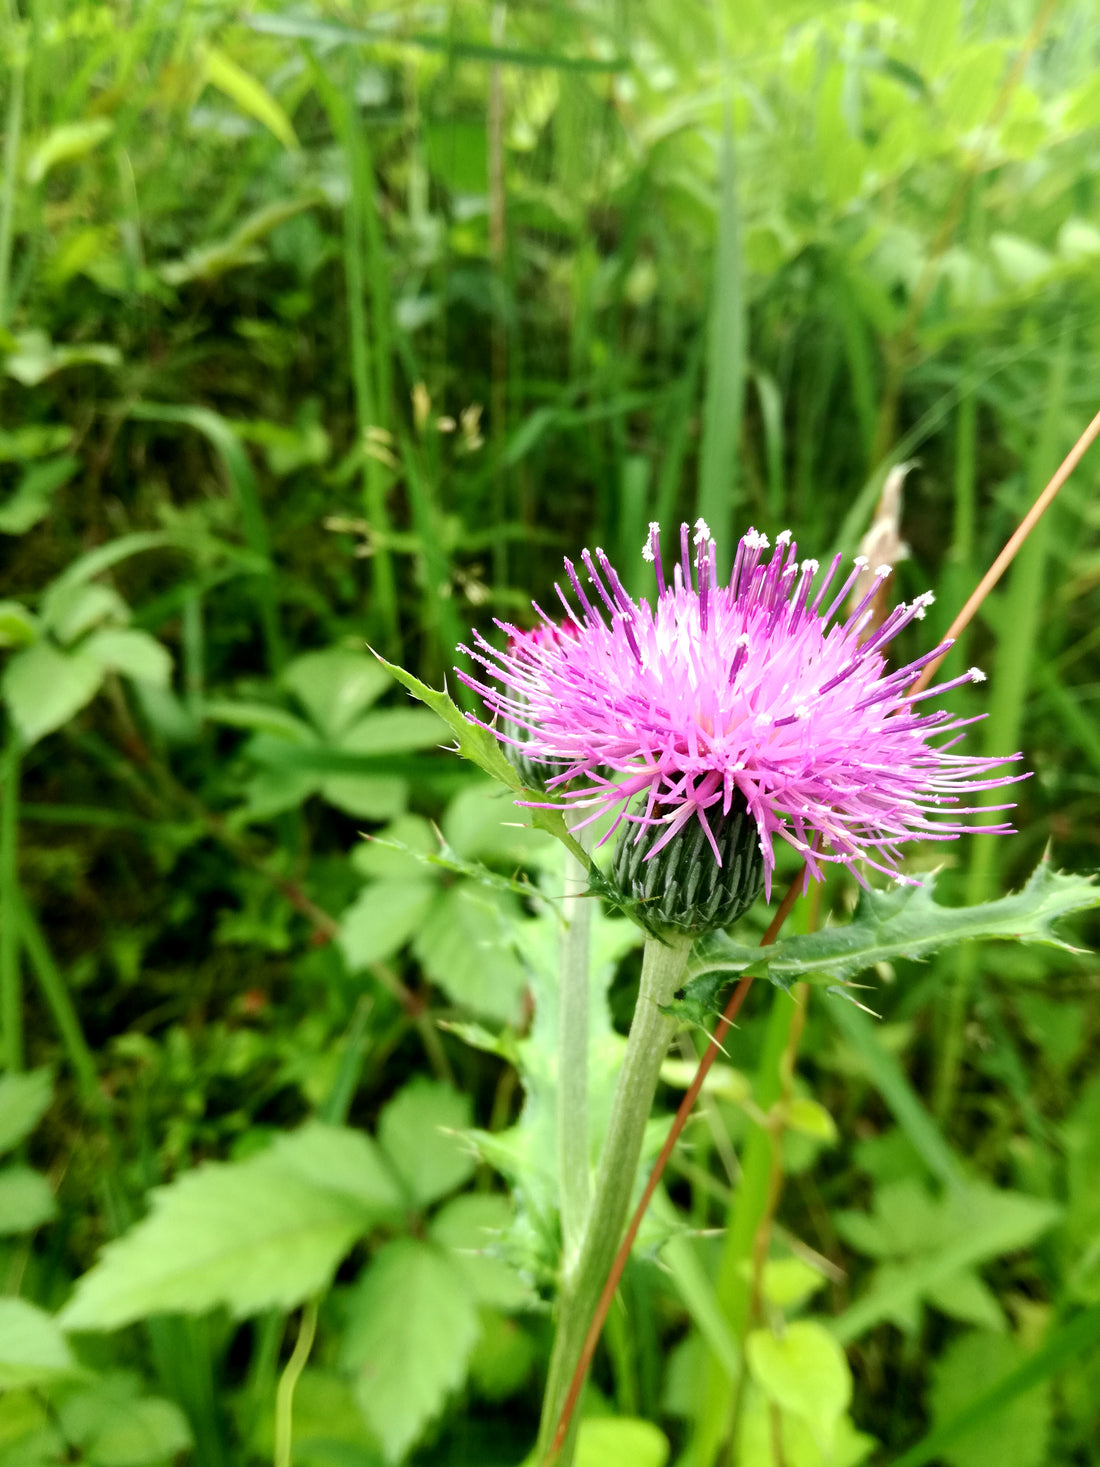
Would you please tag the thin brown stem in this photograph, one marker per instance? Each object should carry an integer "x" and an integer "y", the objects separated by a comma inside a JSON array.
[{"x": 1008, "y": 554}]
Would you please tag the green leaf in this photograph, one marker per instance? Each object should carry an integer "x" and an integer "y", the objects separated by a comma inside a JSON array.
[
  {"x": 36, "y": 357},
  {"x": 1066, "y": 1346},
  {"x": 31, "y": 500},
  {"x": 481, "y": 748},
  {"x": 474, "y": 1226},
  {"x": 1017, "y": 1432},
  {"x": 366, "y": 796},
  {"x": 116, "y": 1427},
  {"x": 32, "y": 1348},
  {"x": 411, "y": 1328},
  {"x": 381, "y": 920},
  {"x": 810, "y": 1118},
  {"x": 337, "y": 1157},
  {"x": 66, "y": 142},
  {"x": 620, "y": 1441},
  {"x": 463, "y": 947},
  {"x": 474, "y": 743},
  {"x": 929, "y": 1243},
  {"x": 804, "y": 1371},
  {"x": 26, "y": 1201},
  {"x": 44, "y": 687},
  {"x": 250, "y": 95},
  {"x": 787, "y": 1282},
  {"x": 208, "y": 262},
  {"x": 335, "y": 686},
  {"x": 18, "y": 626},
  {"x": 264, "y": 1233},
  {"x": 417, "y": 1130},
  {"x": 966, "y": 1297},
  {"x": 906, "y": 922},
  {"x": 759, "y": 1427},
  {"x": 133, "y": 653},
  {"x": 24, "y": 1100},
  {"x": 69, "y": 609},
  {"x": 394, "y": 731}
]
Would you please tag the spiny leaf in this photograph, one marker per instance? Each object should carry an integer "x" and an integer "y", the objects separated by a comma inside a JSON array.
[
  {"x": 478, "y": 745},
  {"x": 904, "y": 923}
]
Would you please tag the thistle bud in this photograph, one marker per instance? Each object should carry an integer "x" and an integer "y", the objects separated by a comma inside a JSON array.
[{"x": 682, "y": 886}]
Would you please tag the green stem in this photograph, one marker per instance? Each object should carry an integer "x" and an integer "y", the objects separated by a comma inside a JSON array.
[
  {"x": 11, "y": 994},
  {"x": 573, "y": 1166},
  {"x": 61, "y": 1007},
  {"x": 750, "y": 1206},
  {"x": 650, "y": 1034},
  {"x": 284, "y": 1396},
  {"x": 13, "y": 128}
]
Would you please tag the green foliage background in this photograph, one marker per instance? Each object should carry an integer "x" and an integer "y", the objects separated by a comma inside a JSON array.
[{"x": 323, "y": 325}]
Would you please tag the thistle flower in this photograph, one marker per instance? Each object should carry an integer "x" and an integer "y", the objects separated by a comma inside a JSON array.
[{"x": 751, "y": 696}]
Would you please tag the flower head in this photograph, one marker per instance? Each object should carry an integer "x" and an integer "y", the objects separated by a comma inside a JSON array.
[{"x": 755, "y": 694}]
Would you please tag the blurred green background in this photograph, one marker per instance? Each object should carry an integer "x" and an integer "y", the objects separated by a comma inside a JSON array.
[{"x": 330, "y": 324}]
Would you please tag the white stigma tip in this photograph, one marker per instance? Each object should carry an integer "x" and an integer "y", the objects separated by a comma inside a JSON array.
[
  {"x": 882, "y": 571},
  {"x": 976, "y": 675},
  {"x": 647, "y": 552},
  {"x": 811, "y": 566},
  {"x": 702, "y": 530},
  {"x": 783, "y": 538},
  {"x": 802, "y": 711},
  {"x": 655, "y": 527}
]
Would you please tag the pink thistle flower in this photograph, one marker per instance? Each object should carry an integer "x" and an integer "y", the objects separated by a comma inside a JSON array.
[{"x": 751, "y": 695}]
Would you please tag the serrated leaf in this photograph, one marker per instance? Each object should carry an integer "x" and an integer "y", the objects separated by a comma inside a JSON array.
[
  {"x": 906, "y": 922},
  {"x": 804, "y": 1372},
  {"x": 1017, "y": 1432},
  {"x": 24, "y": 1100},
  {"x": 45, "y": 687},
  {"x": 26, "y": 1201},
  {"x": 32, "y": 1347},
  {"x": 474, "y": 742},
  {"x": 473, "y": 1227},
  {"x": 338, "y": 1158},
  {"x": 463, "y": 947},
  {"x": 418, "y": 1132},
  {"x": 412, "y": 1325},
  {"x": 481, "y": 748},
  {"x": 252, "y": 1235},
  {"x": 931, "y": 1245},
  {"x": 382, "y": 919}
]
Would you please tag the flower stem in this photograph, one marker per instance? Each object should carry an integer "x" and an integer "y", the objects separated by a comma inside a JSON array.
[
  {"x": 573, "y": 1166},
  {"x": 11, "y": 989},
  {"x": 650, "y": 1034}
]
